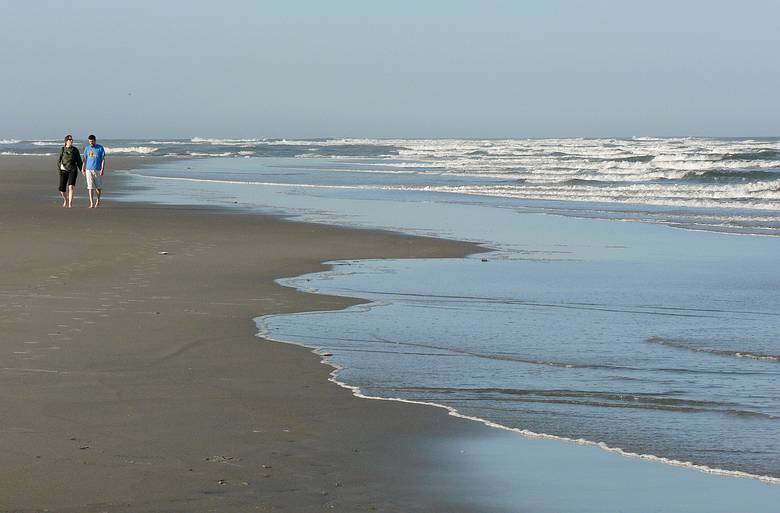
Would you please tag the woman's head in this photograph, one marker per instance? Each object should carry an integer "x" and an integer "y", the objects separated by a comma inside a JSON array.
[{"x": 68, "y": 140}]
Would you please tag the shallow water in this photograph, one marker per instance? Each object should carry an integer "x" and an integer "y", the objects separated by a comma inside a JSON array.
[
  {"x": 650, "y": 358},
  {"x": 503, "y": 472}
]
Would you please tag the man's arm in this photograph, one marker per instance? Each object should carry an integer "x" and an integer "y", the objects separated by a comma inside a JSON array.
[{"x": 103, "y": 163}]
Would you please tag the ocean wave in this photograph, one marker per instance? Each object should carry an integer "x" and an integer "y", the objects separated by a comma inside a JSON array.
[
  {"x": 142, "y": 150},
  {"x": 584, "y": 181},
  {"x": 764, "y": 196},
  {"x": 764, "y": 154},
  {"x": 225, "y": 142},
  {"x": 9, "y": 141},
  {"x": 702, "y": 347},
  {"x": 628, "y": 158},
  {"x": 324, "y": 142},
  {"x": 547, "y": 168},
  {"x": 593, "y": 398},
  {"x": 205, "y": 154},
  {"x": 720, "y": 175},
  {"x": 24, "y": 154}
]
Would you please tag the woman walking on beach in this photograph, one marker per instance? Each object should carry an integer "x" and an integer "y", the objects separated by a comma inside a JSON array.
[{"x": 69, "y": 164}]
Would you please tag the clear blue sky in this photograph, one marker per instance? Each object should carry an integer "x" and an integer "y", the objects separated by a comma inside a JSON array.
[{"x": 390, "y": 69}]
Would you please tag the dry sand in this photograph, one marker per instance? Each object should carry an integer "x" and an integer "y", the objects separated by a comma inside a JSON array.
[{"x": 132, "y": 380}]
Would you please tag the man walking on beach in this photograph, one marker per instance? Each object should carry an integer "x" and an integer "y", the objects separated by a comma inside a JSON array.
[{"x": 94, "y": 167}]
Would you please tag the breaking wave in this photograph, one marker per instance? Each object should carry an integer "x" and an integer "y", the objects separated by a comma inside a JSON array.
[
  {"x": 704, "y": 347},
  {"x": 140, "y": 150}
]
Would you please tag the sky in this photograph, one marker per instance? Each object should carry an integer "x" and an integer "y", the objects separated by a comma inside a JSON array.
[{"x": 438, "y": 69}]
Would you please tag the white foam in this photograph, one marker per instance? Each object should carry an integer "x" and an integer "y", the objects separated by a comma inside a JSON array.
[
  {"x": 202, "y": 154},
  {"x": 23, "y": 154},
  {"x": 290, "y": 142},
  {"x": 760, "y": 196},
  {"x": 757, "y": 357},
  {"x": 143, "y": 150},
  {"x": 9, "y": 141},
  {"x": 206, "y": 140}
]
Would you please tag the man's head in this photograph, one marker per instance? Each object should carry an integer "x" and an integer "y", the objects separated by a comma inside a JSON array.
[{"x": 91, "y": 139}]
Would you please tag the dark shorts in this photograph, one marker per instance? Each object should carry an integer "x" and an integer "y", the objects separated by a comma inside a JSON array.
[{"x": 67, "y": 178}]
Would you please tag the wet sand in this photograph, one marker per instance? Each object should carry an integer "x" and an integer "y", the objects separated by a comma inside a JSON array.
[{"x": 131, "y": 378}]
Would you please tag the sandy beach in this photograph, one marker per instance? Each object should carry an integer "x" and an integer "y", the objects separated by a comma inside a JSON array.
[{"x": 131, "y": 378}]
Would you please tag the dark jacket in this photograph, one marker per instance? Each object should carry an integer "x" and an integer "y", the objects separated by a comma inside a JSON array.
[{"x": 70, "y": 158}]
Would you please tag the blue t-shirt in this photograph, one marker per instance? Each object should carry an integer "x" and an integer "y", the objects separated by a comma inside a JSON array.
[{"x": 93, "y": 156}]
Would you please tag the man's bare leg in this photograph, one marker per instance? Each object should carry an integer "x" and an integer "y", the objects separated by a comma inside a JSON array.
[
  {"x": 98, "y": 192},
  {"x": 91, "y": 202}
]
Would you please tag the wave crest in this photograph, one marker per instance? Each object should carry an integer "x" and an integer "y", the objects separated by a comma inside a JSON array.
[
  {"x": 141, "y": 150},
  {"x": 702, "y": 347}
]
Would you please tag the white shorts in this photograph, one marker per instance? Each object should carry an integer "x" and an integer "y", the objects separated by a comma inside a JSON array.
[{"x": 94, "y": 180}]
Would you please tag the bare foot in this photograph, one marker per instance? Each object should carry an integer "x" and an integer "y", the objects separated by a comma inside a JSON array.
[
  {"x": 90, "y": 206},
  {"x": 64, "y": 204},
  {"x": 97, "y": 205}
]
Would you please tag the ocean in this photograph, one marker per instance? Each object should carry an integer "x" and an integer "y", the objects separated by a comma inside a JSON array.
[
  {"x": 730, "y": 185},
  {"x": 627, "y": 297}
]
